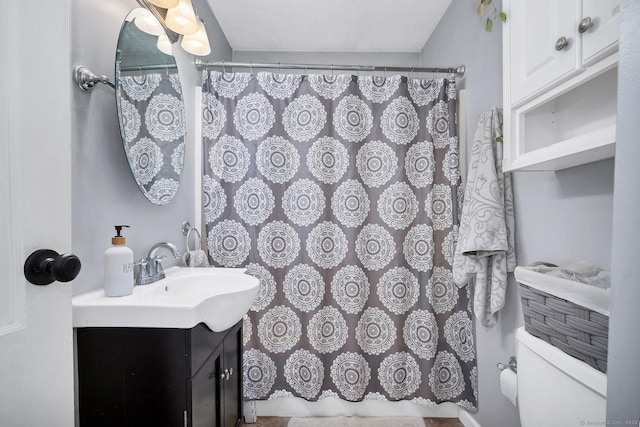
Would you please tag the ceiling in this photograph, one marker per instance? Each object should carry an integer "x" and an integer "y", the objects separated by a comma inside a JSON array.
[{"x": 328, "y": 25}]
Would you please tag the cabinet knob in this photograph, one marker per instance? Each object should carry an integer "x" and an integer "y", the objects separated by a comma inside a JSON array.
[
  {"x": 561, "y": 43},
  {"x": 585, "y": 24}
]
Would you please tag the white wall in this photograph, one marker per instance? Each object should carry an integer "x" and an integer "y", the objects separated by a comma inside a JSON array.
[
  {"x": 623, "y": 389},
  {"x": 560, "y": 217},
  {"x": 104, "y": 191}
]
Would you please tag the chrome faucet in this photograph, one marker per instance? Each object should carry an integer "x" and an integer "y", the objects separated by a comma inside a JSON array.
[{"x": 150, "y": 267}]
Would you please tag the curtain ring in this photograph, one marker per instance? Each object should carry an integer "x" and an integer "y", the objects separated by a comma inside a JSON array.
[
  {"x": 224, "y": 69},
  {"x": 279, "y": 70},
  {"x": 251, "y": 67},
  {"x": 332, "y": 69},
  {"x": 411, "y": 74},
  {"x": 385, "y": 72}
]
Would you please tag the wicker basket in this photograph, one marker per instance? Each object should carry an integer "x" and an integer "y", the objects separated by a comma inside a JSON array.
[{"x": 578, "y": 331}]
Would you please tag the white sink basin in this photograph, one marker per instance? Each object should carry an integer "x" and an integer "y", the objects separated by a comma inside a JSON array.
[{"x": 217, "y": 297}]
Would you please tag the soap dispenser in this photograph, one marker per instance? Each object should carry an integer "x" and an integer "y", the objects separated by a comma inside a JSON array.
[{"x": 118, "y": 267}]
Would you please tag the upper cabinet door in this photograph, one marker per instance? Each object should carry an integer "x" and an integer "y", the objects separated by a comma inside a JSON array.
[
  {"x": 600, "y": 27},
  {"x": 544, "y": 48}
]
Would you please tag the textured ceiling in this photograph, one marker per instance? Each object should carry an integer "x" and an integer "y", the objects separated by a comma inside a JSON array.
[{"x": 328, "y": 25}]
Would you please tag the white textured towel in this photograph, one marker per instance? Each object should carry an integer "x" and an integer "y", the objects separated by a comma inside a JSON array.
[
  {"x": 485, "y": 249},
  {"x": 197, "y": 258}
]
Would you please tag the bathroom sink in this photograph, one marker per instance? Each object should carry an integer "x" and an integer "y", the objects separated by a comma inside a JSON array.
[{"x": 217, "y": 297}]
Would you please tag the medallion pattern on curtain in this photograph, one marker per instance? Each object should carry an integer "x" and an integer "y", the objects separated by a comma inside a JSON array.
[
  {"x": 341, "y": 195},
  {"x": 153, "y": 130}
]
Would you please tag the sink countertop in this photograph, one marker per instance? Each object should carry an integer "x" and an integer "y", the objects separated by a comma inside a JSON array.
[{"x": 218, "y": 297}]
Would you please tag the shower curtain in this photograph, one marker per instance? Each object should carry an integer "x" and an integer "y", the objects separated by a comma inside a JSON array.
[{"x": 341, "y": 195}]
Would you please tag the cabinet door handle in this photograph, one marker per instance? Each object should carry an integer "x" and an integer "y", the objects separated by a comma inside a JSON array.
[
  {"x": 561, "y": 43},
  {"x": 224, "y": 375},
  {"x": 585, "y": 24}
]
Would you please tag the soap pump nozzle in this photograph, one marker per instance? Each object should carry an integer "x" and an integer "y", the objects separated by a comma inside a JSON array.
[{"x": 118, "y": 239}]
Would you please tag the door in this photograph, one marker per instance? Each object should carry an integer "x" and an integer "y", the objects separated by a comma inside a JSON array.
[
  {"x": 36, "y": 346},
  {"x": 535, "y": 27},
  {"x": 602, "y": 35}
]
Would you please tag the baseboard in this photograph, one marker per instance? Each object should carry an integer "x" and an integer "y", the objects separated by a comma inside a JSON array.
[
  {"x": 249, "y": 412},
  {"x": 467, "y": 419}
]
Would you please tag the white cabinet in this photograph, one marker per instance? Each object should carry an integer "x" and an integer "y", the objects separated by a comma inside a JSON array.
[
  {"x": 535, "y": 28},
  {"x": 600, "y": 26},
  {"x": 560, "y": 82}
]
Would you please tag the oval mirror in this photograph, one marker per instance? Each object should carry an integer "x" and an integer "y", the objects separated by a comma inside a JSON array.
[{"x": 150, "y": 106}]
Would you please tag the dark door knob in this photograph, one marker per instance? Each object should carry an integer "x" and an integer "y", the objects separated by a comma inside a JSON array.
[{"x": 44, "y": 266}]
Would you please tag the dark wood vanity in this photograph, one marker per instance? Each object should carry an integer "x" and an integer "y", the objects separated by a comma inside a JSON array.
[{"x": 159, "y": 377}]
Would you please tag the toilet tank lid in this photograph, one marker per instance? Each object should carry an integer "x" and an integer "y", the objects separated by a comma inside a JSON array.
[{"x": 577, "y": 369}]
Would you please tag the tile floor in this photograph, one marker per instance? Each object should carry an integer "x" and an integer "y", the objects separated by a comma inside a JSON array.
[{"x": 282, "y": 422}]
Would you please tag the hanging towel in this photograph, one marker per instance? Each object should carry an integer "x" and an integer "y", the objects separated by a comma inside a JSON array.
[
  {"x": 485, "y": 250},
  {"x": 196, "y": 258}
]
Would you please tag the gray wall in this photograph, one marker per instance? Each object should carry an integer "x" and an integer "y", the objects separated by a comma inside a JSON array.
[
  {"x": 104, "y": 191},
  {"x": 623, "y": 388},
  {"x": 560, "y": 217}
]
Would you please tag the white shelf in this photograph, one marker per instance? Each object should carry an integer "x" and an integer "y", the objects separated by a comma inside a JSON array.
[{"x": 597, "y": 145}]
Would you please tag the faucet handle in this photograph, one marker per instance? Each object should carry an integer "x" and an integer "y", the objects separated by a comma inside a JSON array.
[
  {"x": 142, "y": 262},
  {"x": 157, "y": 261},
  {"x": 143, "y": 272}
]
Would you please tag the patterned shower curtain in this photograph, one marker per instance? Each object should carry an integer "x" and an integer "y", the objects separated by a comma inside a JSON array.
[{"x": 341, "y": 195}]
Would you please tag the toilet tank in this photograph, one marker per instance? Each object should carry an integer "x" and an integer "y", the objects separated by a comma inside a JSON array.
[{"x": 555, "y": 389}]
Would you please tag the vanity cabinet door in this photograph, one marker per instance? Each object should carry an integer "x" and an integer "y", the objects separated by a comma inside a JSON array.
[
  {"x": 232, "y": 385},
  {"x": 129, "y": 377},
  {"x": 205, "y": 393},
  {"x": 216, "y": 387}
]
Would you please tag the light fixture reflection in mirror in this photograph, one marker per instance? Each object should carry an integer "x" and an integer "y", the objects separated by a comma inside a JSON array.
[
  {"x": 164, "y": 45},
  {"x": 150, "y": 112},
  {"x": 145, "y": 21}
]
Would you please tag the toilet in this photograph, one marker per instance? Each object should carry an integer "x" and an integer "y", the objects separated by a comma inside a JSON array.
[{"x": 555, "y": 389}]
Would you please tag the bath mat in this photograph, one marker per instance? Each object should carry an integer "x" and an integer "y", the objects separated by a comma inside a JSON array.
[{"x": 356, "y": 422}]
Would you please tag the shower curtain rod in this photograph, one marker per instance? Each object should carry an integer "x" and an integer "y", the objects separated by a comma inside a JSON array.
[{"x": 200, "y": 65}]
